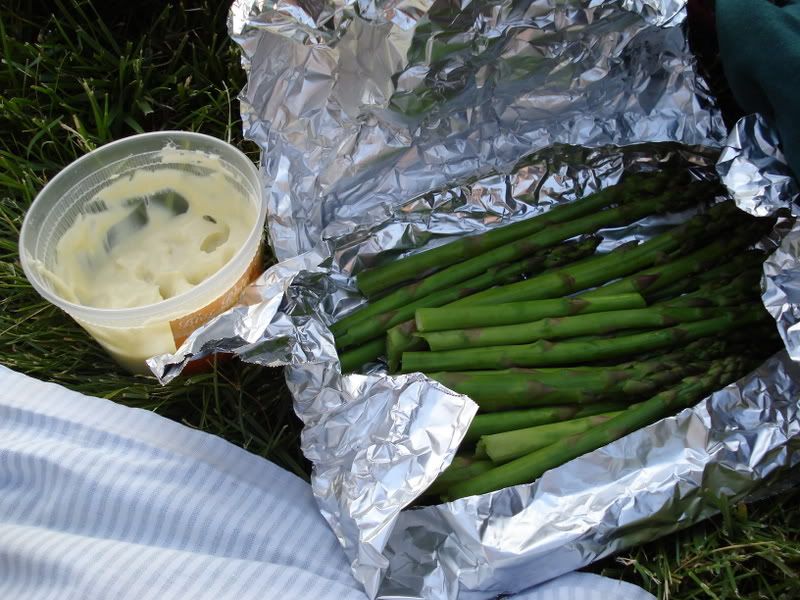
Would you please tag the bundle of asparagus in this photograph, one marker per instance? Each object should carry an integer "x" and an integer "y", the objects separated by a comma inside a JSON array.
[{"x": 563, "y": 349}]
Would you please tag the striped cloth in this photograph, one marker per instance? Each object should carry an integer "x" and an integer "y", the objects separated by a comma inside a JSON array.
[{"x": 100, "y": 501}]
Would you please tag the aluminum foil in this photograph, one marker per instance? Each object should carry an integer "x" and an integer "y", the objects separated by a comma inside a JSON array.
[
  {"x": 340, "y": 163},
  {"x": 755, "y": 171},
  {"x": 647, "y": 484},
  {"x": 753, "y": 168},
  {"x": 362, "y": 105},
  {"x": 377, "y": 441}
]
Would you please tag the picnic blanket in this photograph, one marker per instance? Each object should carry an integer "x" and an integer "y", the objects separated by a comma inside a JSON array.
[{"x": 100, "y": 501}]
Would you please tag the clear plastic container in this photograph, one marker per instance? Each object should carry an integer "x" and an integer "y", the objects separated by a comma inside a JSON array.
[{"x": 131, "y": 335}]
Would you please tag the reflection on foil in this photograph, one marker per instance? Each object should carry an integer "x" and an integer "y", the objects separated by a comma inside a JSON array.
[
  {"x": 753, "y": 168},
  {"x": 781, "y": 285},
  {"x": 360, "y": 106}
]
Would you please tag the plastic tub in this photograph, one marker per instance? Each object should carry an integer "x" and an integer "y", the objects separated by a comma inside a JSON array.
[{"x": 135, "y": 333}]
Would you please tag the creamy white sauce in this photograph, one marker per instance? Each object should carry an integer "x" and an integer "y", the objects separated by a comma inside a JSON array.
[{"x": 159, "y": 233}]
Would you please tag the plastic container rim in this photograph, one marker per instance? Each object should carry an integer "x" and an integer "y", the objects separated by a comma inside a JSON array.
[{"x": 148, "y": 313}]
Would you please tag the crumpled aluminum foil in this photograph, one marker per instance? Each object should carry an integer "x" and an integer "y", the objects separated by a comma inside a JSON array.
[
  {"x": 782, "y": 290},
  {"x": 377, "y": 442},
  {"x": 753, "y": 168},
  {"x": 755, "y": 171},
  {"x": 329, "y": 83},
  {"x": 650, "y": 483},
  {"x": 339, "y": 167}
]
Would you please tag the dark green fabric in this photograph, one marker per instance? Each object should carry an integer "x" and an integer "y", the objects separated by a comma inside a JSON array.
[{"x": 759, "y": 44}]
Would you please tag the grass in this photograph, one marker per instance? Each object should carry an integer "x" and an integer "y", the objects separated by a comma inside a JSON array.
[
  {"x": 73, "y": 78},
  {"x": 75, "y": 75},
  {"x": 748, "y": 551}
]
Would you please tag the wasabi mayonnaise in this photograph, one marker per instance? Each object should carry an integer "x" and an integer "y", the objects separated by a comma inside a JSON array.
[{"x": 152, "y": 235}]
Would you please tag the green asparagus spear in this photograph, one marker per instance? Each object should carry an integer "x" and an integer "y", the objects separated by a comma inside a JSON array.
[
  {"x": 565, "y": 253},
  {"x": 655, "y": 278},
  {"x": 452, "y": 317},
  {"x": 564, "y": 327},
  {"x": 727, "y": 271},
  {"x": 533, "y": 465},
  {"x": 546, "y": 238},
  {"x": 489, "y": 423},
  {"x": 546, "y": 353},
  {"x": 399, "y": 339},
  {"x": 354, "y": 359},
  {"x": 600, "y": 269},
  {"x": 521, "y": 388},
  {"x": 375, "y": 326},
  {"x": 461, "y": 469},
  {"x": 372, "y": 281},
  {"x": 508, "y": 445},
  {"x": 743, "y": 289}
]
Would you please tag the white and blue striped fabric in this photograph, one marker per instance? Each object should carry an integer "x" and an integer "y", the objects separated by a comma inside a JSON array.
[{"x": 100, "y": 501}]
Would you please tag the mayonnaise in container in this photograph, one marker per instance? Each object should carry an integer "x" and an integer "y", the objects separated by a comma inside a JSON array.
[{"x": 145, "y": 239}]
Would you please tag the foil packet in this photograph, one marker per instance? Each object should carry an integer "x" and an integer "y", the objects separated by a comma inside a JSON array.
[
  {"x": 377, "y": 441},
  {"x": 353, "y": 176}
]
